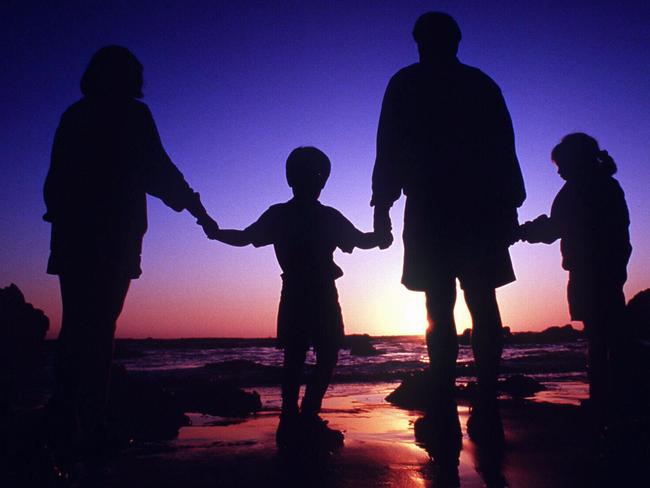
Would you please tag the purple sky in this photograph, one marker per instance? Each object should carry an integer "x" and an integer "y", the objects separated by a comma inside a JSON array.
[{"x": 234, "y": 86}]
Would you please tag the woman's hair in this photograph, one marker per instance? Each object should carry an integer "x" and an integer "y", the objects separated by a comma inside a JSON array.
[
  {"x": 113, "y": 71},
  {"x": 580, "y": 153}
]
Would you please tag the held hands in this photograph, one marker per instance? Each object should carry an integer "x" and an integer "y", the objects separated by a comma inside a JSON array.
[
  {"x": 383, "y": 226},
  {"x": 210, "y": 227},
  {"x": 513, "y": 229},
  {"x": 196, "y": 208},
  {"x": 385, "y": 239},
  {"x": 538, "y": 230}
]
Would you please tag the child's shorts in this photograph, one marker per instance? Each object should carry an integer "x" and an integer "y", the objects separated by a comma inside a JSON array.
[{"x": 310, "y": 315}]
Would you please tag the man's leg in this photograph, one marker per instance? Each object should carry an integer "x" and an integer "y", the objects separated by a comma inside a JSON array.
[
  {"x": 484, "y": 425},
  {"x": 442, "y": 342},
  {"x": 326, "y": 358},
  {"x": 487, "y": 337}
]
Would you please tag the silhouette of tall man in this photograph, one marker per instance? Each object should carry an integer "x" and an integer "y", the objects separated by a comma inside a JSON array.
[{"x": 445, "y": 139}]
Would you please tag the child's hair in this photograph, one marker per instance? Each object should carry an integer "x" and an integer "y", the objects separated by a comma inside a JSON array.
[
  {"x": 308, "y": 166},
  {"x": 579, "y": 153}
]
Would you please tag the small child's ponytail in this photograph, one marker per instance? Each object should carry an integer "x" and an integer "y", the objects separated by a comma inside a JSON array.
[
  {"x": 579, "y": 154},
  {"x": 606, "y": 162}
]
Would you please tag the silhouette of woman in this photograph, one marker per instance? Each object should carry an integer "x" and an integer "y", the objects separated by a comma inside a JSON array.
[{"x": 107, "y": 156}]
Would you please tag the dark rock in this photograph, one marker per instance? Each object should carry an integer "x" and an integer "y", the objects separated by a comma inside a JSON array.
[
  {"x": 224, "y": 400},
  {"x": 634, "y": 362},
  {"x": 153, "y": 409},
  {"x": 552, "y": 335},
  {"x": 413, "y": 393},
  {"x": 638, "y": 315},
  {"x": 361, "y": 345},
  {"x": 22, "y": 334},
  {"x": 142, "y": 410},
  {"x": 520, "y": 386}
]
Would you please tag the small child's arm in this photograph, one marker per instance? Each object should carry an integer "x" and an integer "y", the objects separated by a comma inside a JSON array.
[
  {"x": 232, "y": 237},
  {"x": 350, "y": 237},
  {"x": 368, "y": 240},
  {"x": 542, "y": 229}
]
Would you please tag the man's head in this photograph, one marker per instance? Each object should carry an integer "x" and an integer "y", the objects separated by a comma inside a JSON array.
[
  {"x": 307, "y": 171},
  {"x": 113, "y": 71},
  {"x": 437, "y": 35}
]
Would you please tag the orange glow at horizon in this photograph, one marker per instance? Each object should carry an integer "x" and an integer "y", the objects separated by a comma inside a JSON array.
[{"x": 240, "y": 298}]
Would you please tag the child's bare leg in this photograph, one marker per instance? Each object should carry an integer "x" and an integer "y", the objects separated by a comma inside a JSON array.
[
  {"x": 294, "y": 360},
  {"x": 326, "y": 358}
]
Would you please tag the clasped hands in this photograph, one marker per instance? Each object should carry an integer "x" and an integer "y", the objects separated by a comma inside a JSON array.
[
  {"x": 382, "y": 226},
  {"x": 209, "y": 225}
]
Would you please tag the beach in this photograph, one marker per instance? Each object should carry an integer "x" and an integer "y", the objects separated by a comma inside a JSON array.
[
  {"x": 546, "y": 446},
  {"x": 203, "y": 413}
]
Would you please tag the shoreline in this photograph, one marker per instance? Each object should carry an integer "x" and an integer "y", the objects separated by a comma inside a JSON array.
[
  {"x": 546, "y": 445},
  {"x": 380, "y": 448}
]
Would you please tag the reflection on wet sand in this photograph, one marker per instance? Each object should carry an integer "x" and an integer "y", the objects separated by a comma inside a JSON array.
[
  {"x": 545, "y": 445},
  {"x": 379, "y": 438}
]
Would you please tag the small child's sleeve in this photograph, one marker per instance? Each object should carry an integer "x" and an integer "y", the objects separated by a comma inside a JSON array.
[
  {"x": 347, "y": 235},
  {"x": 262, "y": 231}
]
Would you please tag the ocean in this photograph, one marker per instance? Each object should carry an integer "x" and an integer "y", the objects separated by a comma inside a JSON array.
[{"x": 559, "y": 367}]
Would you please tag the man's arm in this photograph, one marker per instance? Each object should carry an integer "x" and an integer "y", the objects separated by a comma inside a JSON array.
[
  {"x": 386, "y": 175},
  {"x": 508, "y": 179},
  {"x": 383, "y": 226}
]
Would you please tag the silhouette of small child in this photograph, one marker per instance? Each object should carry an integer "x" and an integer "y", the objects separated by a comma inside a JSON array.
[
  {"x": 591, "y": 218},
  {"x": 305, "y": 234}
]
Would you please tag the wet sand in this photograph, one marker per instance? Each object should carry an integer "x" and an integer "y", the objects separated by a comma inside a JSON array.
[{"x": 546, "y": 446}]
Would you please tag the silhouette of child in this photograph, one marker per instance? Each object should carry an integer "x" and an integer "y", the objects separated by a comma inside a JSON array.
[
  {"x": 591, "y": 218},
  {"x": 305, "y": 234}
]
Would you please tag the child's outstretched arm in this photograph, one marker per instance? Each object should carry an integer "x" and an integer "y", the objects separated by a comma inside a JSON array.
[
  {"x": 542, "y": 229},
  {"x": 232, "y": 237},
  {"x": 368, "y": 240}
]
